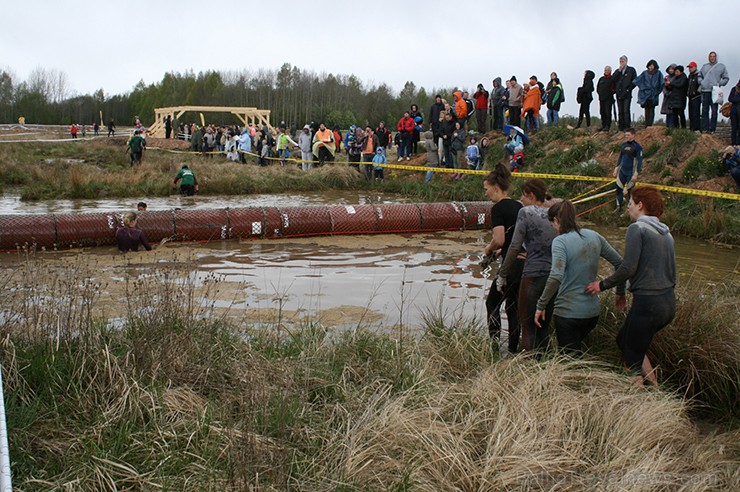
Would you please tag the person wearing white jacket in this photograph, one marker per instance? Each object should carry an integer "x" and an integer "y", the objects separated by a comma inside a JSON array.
[{"x": 304, "y": 143}]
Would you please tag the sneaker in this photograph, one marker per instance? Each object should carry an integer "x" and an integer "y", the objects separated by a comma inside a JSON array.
[
  {"x": 400, "y": 158},
  {"x": 408, "y": 158},
  {"x": 618, "y": 209}
]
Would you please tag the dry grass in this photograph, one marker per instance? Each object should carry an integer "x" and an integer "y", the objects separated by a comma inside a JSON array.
[{"x": 173, "y": 397}]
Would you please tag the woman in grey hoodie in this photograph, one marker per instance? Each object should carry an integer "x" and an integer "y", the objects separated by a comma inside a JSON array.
[{"x": 650, "y": 265}]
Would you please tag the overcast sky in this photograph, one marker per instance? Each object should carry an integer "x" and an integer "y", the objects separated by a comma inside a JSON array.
[{"x": 113, "y": 45}]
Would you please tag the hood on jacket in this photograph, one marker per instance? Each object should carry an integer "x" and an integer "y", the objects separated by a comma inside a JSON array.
[
  {"x": 457, "y": 95},
  {"x": 497, "y": 82},
  {"x": 589, "y": 75},
  {"x": 379, "y": 149},
  {"x": 655, "y": 224}
]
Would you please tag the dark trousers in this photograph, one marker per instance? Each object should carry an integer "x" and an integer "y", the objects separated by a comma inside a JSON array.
[
  {"x": 369, "y": 166},
  {"x": 498, "y": 117},
  {"x": 584, "y": 111},
  {"x": 605, "y": 112},
  {"x": 695, "y": 113},
  {"x": 649, "y": 115},
  {"x": 167, "y": 132},
  {"x": 515, "y": 115},
  {"x": 707, "y": 124},
  {"x": 187, "y": 190},
  {"x": 735, "y": 124},
  {"x": 447, "y": 148},
  {"x": 571, "y": 332},
  {"x": 647, "y": 316},
  {"x": 534, "y": 338},
  {"x": 480, "y": 114},
  {"x": 495, "y": 300},
  {"x": 623, "y": 109},
  {"x": 679, "y": 118}
]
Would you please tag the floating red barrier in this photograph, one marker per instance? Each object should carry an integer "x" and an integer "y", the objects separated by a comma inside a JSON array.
[
  {"x": 77, "y": 230},
  {"x": 353, "y": 219},
  {"x": 156, "y": 225},
  {"x": 246, "y": 223},
  {"x": 201, "y": 225},
  {"x": 441, "y": 216},
  {"x": 305, "y": 221},
  {"x": 27, "y": 230},
  {"x": 398, "y": 217},
  {"x": 477, "y": 215}
]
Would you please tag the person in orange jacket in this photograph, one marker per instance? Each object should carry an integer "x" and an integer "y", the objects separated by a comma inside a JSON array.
[
  {"x": 531, "y": 106},
  {"x": 461, "y": 108}
]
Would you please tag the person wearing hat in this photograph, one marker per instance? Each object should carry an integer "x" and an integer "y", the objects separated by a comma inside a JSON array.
[
  {"x": 712, "y": 74},
  {"x": 189, "y": 184},
  {"x": 694, "y": 95},
  {"x": 135, "y": 146},
  {"x": 481, "y": 107}
]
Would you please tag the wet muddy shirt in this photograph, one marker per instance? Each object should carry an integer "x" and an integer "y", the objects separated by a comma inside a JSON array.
[
  {"x": 534, "y": 233},
  {"x": 129, "y": 239}
]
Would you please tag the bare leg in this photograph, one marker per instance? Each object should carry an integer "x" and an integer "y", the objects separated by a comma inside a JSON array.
[{"x": 649, "y": 372}]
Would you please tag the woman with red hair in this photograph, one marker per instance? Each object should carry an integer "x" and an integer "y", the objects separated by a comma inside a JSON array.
[{"x": 650, "y": 265}]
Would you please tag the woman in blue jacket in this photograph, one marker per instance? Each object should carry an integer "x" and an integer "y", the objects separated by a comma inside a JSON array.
[{"x": 649, "y": 86}]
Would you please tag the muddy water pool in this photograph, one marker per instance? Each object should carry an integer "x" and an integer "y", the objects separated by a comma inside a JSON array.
[{"x": 383, "y": 281}]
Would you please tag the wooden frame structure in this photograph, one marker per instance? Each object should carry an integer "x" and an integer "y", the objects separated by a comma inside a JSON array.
[{"x": 258, "y": 117}]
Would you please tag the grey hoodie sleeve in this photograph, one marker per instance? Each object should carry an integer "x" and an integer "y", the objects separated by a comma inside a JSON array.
[{"x": 632, "y": 252}]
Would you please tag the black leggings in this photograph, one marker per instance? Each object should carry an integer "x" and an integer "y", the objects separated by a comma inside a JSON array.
[
  {"x": 493, "y": 308},
  {"x": 572, "y": 331},
  {"x": 648, "y": 315}
]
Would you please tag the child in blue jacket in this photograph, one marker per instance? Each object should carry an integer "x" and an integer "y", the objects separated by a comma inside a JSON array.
[{"x": 379, "y": 160}]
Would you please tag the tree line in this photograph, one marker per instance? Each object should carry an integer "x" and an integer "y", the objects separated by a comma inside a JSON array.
[{"x": 293, "y": 95}]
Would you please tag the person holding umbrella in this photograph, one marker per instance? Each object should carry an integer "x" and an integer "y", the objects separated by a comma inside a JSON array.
[{"x": 515, "y": 146}]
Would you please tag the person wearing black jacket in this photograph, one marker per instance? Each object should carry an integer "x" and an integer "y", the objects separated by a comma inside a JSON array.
[
  {"x": 446, "y": 129},
  {"x": 584, "y": 96},
  {"x": 694, "y": 94},
  {"x": 605, "y": 90},
  {"x": 677, "y": 90},
  {"x": 434, "y": 113},
  {"x": 623, "y": 86}
]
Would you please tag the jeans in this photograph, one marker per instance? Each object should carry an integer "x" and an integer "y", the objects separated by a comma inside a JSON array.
[
  {"x": 708, "y": 125},
  {"x": 695, "y": 113},
  {"x": 404, "y": 150},
  {"x": 679, "y": 118},
  {"x": 498, "y": 117},
  {"x": 649, "y": 114},
  {"x": 515, "y": 115},
  {"x": 623, "y": 108},
  {"x": 447, "y": 146},
  {"x": 552, "y": 117}
]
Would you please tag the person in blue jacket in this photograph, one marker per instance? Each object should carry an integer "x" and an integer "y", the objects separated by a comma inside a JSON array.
[{"x": 649, "y": 86}]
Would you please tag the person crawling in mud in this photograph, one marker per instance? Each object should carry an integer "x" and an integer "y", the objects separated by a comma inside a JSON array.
[{"x": 129, "y": 237}]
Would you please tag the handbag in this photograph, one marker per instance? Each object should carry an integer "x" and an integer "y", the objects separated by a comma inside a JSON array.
[
  {"x": 726, "y": 109},
  {"x": 718, "y": 97}
]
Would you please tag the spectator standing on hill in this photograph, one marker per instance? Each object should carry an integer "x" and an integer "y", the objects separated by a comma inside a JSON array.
[
  {"x": 734, "y": 99},
  {"x": 405, "y": 129},
  {"x": 497, "y": 104},
  {"x": 629, "y": 164},
  {"x": 649, "y": 85},
  {"x": 605, "y": 91},
  {"x": 584, "y": 96},
  {"x": 378, "y": 161},
  {"x": 369, "y": 146},
  {"x": 168, "y": 126},
  {"x": 434, "y": 116},
  {"x": 304, "y": 143},
  {"x": 432, "y": 155},
  {"x": 470, "y": 105},
  {"x": 555, "y": 98},
  {"x": 649, "y": 264},
  {"x": 461, "y": 107},
  {"x": 515, "y": 102},
  {"x": 458, "y": 147},
  {"x": 189, "y": 184},
  {"x": 136, "y": 145},
  {"x": 446, "y": 131},
  {"x": 531, "y": 106},
  {"x": 623, "y": 86},
  {"x": 712, "y": 74},
  {"x": 481, "y": 107},
  {"x": 384, "y": 136},
  {"x": 418, "y": 118},
  {"x": 677, "y": 89},
  {"x": 129, "y": 237},
  {"x": 664, "y": 110},
  {"x": 694, "y": 95}
]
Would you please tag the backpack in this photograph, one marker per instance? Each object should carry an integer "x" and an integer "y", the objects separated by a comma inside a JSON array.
[
  {"x": 543, "y": 94},
  {"x": 579, "y": 95}
]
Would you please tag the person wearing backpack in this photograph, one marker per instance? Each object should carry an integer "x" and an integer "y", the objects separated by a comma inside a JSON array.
[
  {"x": 554, "y": 99},
  {"x": 584, "y": 96}
]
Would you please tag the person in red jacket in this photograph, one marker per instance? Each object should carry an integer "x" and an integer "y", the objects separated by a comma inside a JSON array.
[
  {"x": 481, "y": 107},
  {"x": 73, "y": 130},
  {"x": 406, "y": 130}
]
